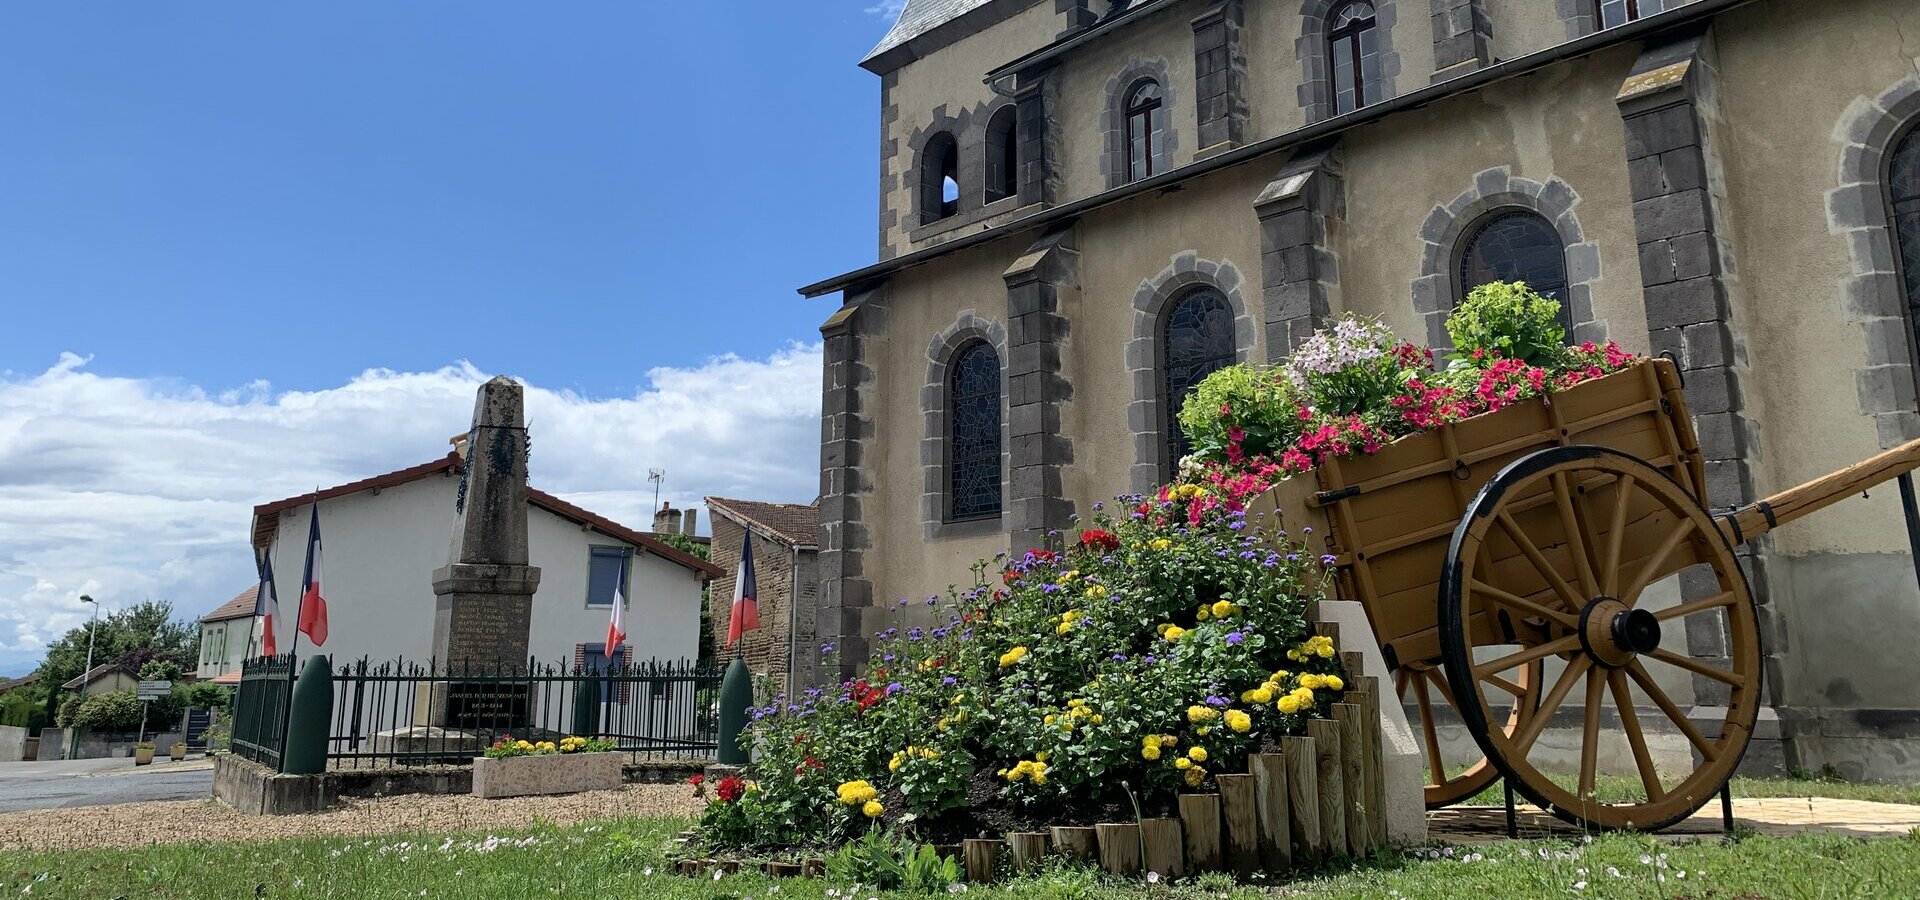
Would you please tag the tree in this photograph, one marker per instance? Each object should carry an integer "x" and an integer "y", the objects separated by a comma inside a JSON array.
[{"x": 142, "y": 633}]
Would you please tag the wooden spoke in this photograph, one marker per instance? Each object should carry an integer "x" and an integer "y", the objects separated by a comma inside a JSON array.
[
  {"x": 1708, "y": 751},
  {"x": 1616, "y": 537},
  {"x": 1630, "y": 723},
  {"x": 1500, "y": 683},
  {"x": 1576, "y": 535},
  {"x": 1689, "y": 608},
  {"x": 1434, "y": 764},
  {"x": 1539, "y": 561},
  {"x": 1513, "y": 660},
  {"x": 1590, "y": 736},
  {"x": 1440, "y": 682},
  {"x": 1680, "y": 532},
  {"x": 1530, "y": 732},
  {"x": 1698, "y": 668},
  {"x": 1523, "y": 605}
]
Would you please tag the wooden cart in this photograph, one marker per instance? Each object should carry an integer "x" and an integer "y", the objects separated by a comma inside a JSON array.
[{"x": 1505, "y": 562}]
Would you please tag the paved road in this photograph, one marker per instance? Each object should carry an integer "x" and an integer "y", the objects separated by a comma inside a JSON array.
[{"x": 98, "y": 782}]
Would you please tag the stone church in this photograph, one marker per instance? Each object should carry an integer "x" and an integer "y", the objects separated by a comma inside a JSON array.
[{"x": 1087, "y": 206}]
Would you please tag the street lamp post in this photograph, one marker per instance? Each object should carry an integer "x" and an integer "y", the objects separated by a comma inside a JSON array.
[{"x": 93, "y": 624}]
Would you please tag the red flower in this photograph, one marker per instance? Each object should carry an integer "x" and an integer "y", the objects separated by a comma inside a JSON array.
[
  {"x": 697, "y": 780},
  {"x": 1099, "y": 541},
  {"x": 730, "y": 788},
  {"x": 865, "y": 695}
]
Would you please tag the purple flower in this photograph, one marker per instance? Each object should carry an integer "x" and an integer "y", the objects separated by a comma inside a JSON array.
[
  {"x": 1119, "y": 657},
  {"x": 932, "y": 601},
  {"x": 895, "y": 688},
  {"x": 1235, "y": 637},
  {"x": 1327, "y": 559},
  {"x": 949, "y": 681},
  {"x": 1237, "y": 525},
  {"x": 826, "y": 649},
  {"x": 887, "y": 658},
  {"x": 1149, "y": 659},
  {"x": 1217, "y": 700}
]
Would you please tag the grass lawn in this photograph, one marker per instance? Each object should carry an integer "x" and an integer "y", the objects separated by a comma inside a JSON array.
[
  {"x": 1617, "y": 788},
  {"x": 624, "y": 859}
]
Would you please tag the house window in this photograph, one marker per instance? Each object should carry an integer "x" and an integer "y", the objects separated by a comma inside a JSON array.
[
  {"x": 1903, "y": 190},
  {"x": 1619, "y": 12},
  {"x": 1003, "y": 163},
  {"x": 1196, "y": 341},
  {"x": 973, "y": 433},
  {"x": 1146, "y": 135},
  {"x": 1517, "y": 245},
  {"x": 606, "y": 574},
  {"x": 1353, "y": 47}
]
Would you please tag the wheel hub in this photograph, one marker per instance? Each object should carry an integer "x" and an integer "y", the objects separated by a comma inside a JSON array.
[{"x": 1614, "y": 633}]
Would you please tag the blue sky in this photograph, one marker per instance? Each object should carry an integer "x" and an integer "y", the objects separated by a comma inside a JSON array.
[{"x": 247, "y": 248}]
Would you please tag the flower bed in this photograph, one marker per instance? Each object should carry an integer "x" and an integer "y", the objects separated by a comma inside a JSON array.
[
  {"x": 1145, "y": 657},
  {"x": 571, "y": 765}
]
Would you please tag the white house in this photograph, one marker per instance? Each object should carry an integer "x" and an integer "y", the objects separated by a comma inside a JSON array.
[
  {"x": 229, "y": 635},
  {"x": 384, "y": 537}
]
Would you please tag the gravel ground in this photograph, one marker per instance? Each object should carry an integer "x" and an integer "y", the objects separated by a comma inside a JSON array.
[{"x": 189, "y": 821}]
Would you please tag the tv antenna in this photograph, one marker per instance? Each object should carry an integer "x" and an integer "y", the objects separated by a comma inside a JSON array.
[{"x": 656, "y": 476}]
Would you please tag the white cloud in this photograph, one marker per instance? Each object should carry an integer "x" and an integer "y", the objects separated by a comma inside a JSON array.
[
  {"x": 888, "y": 9},
  {"x": 127, "y": 488}
]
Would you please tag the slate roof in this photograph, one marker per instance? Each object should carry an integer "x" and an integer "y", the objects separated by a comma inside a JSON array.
[
  {"x": 794, "y": 524},
  {"x": 921, "y": 16},
  {"x": 240, "y": 607},
  {"x": 95, "y": 674}
]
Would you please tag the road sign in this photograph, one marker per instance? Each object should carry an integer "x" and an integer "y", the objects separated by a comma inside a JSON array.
[{"x": 152, "y": 690}]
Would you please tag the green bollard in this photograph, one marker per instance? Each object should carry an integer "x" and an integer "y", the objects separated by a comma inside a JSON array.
[
  {"x": 586, "y": 708},
  {"x": 309, "y": 712},
  {"x": 736, "y": 694}
]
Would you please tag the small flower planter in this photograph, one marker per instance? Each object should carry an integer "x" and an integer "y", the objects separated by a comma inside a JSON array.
[
  {"x": 177, "y": 752},
  {"x": 562, "y": 773},
  {"x": 143, "y": 756}
]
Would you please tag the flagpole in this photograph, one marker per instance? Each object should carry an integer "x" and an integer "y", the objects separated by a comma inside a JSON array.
[{"x": 299, "y": 606}]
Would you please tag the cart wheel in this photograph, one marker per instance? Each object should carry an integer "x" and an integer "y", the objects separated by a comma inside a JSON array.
[
  {"x": 1423, "y": 686},
  {"x": 1571, "y": 538}
]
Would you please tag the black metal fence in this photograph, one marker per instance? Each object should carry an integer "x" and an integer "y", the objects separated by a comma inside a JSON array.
[
  {"x": 260, "y": 708},
  {"x": 403, "y": 713}
]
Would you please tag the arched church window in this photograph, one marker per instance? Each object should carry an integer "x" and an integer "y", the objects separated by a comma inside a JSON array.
[
  {"x": 1903, "y": 193},
  {"x": 1146, "y": 135},
  {"x": 1003, "y": 165},
  {"x": 1517, "y": 245},
  {"x": 1353, "y": 49},
  {"x": 939, "y": 178},
  {"x": 1196, "y": 341},
  {"x": 973, "y": 433}
]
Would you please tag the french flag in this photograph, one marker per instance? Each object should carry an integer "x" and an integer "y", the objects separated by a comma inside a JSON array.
[
  {"x": 746, "y": 605},
  {"x": 266, "y": 605},
  {"x": 313, "y": 608},
  {"x": 617, "y": 627}
]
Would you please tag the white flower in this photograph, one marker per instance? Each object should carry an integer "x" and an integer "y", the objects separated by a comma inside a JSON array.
[
  {"x": 647, "y": 871},
  {"x": 1646, "y": 860},
  {"x": 1613, "y": 872},
  {"x": 1579, "y": 885},
  {"x": 1153, "y": 877},
  {"x": 716, "y": 874}
]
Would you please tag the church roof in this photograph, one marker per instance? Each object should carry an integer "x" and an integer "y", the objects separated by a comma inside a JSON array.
[{"x": 919, "y": 18}]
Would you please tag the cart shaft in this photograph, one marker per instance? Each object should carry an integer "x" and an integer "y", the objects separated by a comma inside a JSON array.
[{"x": 1755, "y": 519}]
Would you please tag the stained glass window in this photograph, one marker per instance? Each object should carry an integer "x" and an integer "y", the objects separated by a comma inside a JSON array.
[
  {"x": 1354, "y": 49},
  {"x": 1198, "y": 341},
  {"x": 1903, "y": 189},
  {"x": 973, "y": 433},
  {"x": 1146, "y": 130},
  {"x": 1518, "y": 245}
]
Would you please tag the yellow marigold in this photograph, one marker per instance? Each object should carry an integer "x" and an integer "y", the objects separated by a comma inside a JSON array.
[
  {"x": 1063, "y": 627},
  {"x": 1263, "y": 695},
  {"x": 1167, "y": 740},
  {"x": 1043, "y": 755},
  {"x": 1223, "y": 609},
  {"x": 1197, "y": 713},
  {"x": 854, "y": 793},
  {"x": 1173, "y": 632},
  {"x": 1333, "y": 683},
  {"x": 1183, "y": 763},
  {"x": 1098, "y": 718},
  {"x": 1195, "y": 776},
  {"x": 1326, "y": 651},
  {"x": 1310, "y": 681},
  {"x": 523, "y": 745},
  {"x": 893, "y": 765},
  {"x": 1239, "y": 721},
  {"x": 1197, "y": 754},
  {"x": 1012, "y": 656},
  {"x": 1160, "y": 543},
  {"x": 872, "y": 809},
  {"x": 1203, "y": 730},
  {"x": 1288, "y": 704},
  {"x": 1048, "y": 719},
  {"x": 1202, "y": 615},
  {"x": 1039, "y": 778},
  {"x": 1097, "y": 591},
  {"x": 1150, "y": 751},
  {"x": 1161, "y": 629}
]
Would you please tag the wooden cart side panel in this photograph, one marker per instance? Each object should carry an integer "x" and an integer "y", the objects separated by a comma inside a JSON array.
[{"x": 1391, "y": 528}]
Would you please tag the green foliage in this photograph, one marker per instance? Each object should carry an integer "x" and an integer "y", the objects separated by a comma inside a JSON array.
[
  {"x": 686, "y": 543},
  {"x": 23, "y": 708},
  {"x": 113, "y": 711},
  {"x": 1258, "y": 400},
  {"x": 507, "y": 747},
  {"x": 890, "y": 863},
  {"x": 203, "y": 695},
  {"x": 160, "y": 670},
  {"x": 1507, "y": 319},
  {"x": 134, "y": 636}
]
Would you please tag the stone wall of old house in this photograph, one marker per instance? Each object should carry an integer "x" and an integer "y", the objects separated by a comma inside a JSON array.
[{"x": 768, "y": 649}]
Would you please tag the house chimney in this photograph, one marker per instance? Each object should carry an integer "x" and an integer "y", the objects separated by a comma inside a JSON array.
[
  {"x": 460, "y": 443},
  {"x": 667, "y": 520},
  {"x": 690, "y": 524}
]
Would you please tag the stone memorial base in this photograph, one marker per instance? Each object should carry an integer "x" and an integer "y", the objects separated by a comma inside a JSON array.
[
  {"x": 428, "y": 745},
  {"x": 569, "y": 773}
]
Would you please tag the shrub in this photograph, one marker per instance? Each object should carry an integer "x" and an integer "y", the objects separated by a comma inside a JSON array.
[
  {"x": 109, "y": 712},
  {"x": 1507, "y": 319},
  {"x": 1165, "y": 643},
  {"x": 1247, "y": 410}
]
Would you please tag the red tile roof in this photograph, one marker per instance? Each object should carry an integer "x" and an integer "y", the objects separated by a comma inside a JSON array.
[
  {"x": 240, "y": 607},
  {"x": 793, "y": 524},
  {"x": 266, "y": 516}
]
